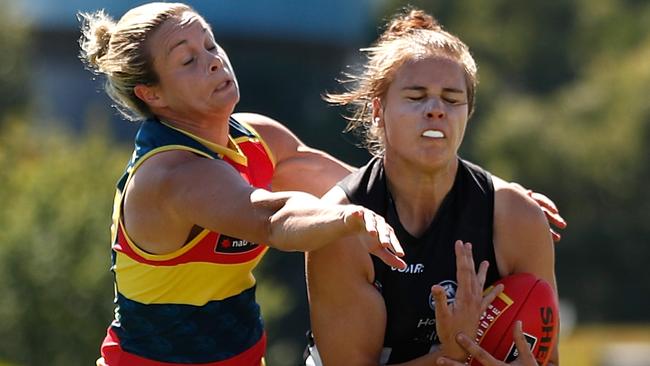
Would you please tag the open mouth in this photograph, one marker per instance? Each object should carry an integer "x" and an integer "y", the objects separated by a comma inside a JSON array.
[
  {"x": 223, "y": 86},
  {"x": 433, "y": 134}
]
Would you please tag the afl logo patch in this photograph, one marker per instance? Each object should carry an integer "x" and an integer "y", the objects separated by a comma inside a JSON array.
[
  {"x": 229, "y": 245},
  {"x": 450, "y": 290}
]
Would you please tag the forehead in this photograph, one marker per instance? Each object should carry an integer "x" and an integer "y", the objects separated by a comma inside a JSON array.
[
  {"x": 431, "y": 70},
  {"x": 178, "y": 27}
]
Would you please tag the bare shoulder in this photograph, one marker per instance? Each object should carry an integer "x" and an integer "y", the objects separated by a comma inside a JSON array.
[
  {"x": 512, "y": 204},
  {"x": 152, "y": 178},
  {"x": 150, "y": 216},
  {"x": 162, "y": 173},
  {"x": 522, "y": 236},
  {"x": 280, "y": 140},
  {"x": 267, "y": 127}
]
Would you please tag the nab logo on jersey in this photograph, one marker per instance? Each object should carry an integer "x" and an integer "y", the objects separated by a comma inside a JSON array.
[
  {"x": 450, "y": 290},
  {"x": 229, "y": 245}
]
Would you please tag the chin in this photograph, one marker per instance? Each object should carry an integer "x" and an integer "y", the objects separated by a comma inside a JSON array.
[{"x": 228, "y": 100}]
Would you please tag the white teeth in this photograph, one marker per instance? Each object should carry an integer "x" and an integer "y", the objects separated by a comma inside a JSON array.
[{"x": 436, "y": 134}]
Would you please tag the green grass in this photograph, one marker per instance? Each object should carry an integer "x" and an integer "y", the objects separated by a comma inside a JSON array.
[{"x": 587, "y": 345}]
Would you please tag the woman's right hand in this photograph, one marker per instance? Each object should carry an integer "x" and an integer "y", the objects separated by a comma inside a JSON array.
[
  {"x": 463, "y": 314},
  {"x": 525, "y": 357},
  {"x": 376, "y": 234}
]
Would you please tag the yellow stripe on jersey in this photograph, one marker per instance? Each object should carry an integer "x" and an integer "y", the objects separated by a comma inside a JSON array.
[
  {"x": 258, "y": 138},
  {"x": 194, "y": 283},
  {"x": 233, "y": 151}
]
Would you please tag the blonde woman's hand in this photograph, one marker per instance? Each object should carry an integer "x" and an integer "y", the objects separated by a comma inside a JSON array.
[
  {"x": 375, "y": 233},
  {"x": 548, "y": 207}
]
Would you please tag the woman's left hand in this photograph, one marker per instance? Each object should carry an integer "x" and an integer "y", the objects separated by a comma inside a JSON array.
[
  {"x": 525, "y": 357},
  {"x": 550, "y": 210}
]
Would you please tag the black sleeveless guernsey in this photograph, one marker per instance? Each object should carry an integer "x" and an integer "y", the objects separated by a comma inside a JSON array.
[{"x": 465, "y": 214}]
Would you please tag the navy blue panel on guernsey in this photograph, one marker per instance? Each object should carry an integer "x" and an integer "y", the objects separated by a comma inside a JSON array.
[
  {"x": 189, "y": 334},
  {"x": 154, "y": 134}
]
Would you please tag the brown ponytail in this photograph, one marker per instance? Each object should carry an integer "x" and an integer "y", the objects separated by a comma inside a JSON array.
[{"x": 410, "y": 20}]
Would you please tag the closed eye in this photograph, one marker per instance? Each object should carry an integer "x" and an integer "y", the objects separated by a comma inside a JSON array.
[
  {"x": 188, "y": 61},
  {"x": 451, "y": 100},
  {"x": 415, "y": 98}
]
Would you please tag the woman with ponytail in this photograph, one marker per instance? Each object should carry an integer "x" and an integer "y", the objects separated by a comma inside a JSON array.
[{"x": 412, "y": 103}]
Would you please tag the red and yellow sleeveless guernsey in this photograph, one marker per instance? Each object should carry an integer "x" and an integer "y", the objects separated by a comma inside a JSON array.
[{"x": 197, "y": 305}]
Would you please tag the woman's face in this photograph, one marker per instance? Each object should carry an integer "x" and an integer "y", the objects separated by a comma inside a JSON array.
[
  {"x": 424, "y": 112},
  {"x": 196, "y": 79}
]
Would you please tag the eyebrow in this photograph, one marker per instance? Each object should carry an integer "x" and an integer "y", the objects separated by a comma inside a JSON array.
[
  {"x": 444, "y": 90},
  {"x": 182, "y": 41}
]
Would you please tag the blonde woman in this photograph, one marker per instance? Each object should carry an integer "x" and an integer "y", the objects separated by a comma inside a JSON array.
[{"x": 193, "y": 212}]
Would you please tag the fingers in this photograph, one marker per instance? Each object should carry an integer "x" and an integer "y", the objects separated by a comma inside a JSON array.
[
  {"x": 383, "y": 233},
  {"x": 389, "y": 258},
  {"x": 490, "y": 296},
  {"x": 370, "y": 222},
  {"x": 554, "y": 218},
  {"x": 397, "y": 247},
  {"x": 449, "y": 362},
  {"x": 440, "y": 298},
  {"x": 525, "y": 354},
  {"x": 464, "y": 265},
  {"x": 550, "y": 210},
  {"x": 543, "y": 201},
  {"x": 482, "y": 273},
  {"x": 386, "y": 235},
  {"x": 475, "y": 350},
  {"x": 382, "y": 241},
  {"x": 556, "y": 237}
]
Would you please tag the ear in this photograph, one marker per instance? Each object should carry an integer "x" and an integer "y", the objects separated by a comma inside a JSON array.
[
  {"x": 377, "y": 111},
  {"x": 150, "y": 95}
]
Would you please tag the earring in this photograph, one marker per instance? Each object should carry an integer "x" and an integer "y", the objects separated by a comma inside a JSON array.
[{"x": 375, "y": 121}]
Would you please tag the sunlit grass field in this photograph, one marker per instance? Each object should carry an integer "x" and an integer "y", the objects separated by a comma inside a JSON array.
[{"x": 600, "y": 345}]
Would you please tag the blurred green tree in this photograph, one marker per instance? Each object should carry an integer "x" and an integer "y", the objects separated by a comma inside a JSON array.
[
  {"x": 56, "y": 191},
  {"x": 586, "y": 146},
  {"x": 14, "y": 41}
]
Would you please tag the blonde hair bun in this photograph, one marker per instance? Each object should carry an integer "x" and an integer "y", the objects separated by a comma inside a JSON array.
[{"x": 96, "y": 32}]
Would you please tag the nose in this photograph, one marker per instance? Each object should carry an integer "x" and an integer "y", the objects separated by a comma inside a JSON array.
[
  {"x": 435, "y": 109},
  {"x": 215, "y": 63}
]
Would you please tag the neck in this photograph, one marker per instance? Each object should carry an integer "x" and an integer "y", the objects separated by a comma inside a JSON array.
[
  {"x": 211, "y": 128},
  {"x": 417, "y": 193}
]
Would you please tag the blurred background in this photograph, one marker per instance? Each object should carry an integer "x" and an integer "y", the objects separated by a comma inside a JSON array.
[{"x": 563, "y": 107}]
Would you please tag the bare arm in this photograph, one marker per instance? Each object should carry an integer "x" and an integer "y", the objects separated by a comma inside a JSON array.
[
  {"x": 523, "y": 241},
  {"x": 174, "y": 191},
  {"x": 298, "y": 166}
]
